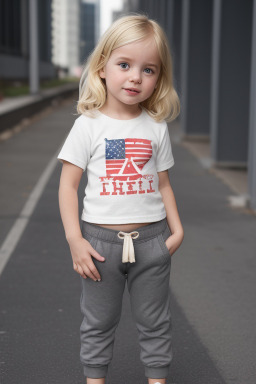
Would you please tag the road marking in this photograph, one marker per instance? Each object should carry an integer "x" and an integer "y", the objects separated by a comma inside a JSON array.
[{"x": 20, "y": 224}]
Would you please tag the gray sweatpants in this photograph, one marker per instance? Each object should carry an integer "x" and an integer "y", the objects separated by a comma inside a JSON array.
[{"x": 148, "y": 285}]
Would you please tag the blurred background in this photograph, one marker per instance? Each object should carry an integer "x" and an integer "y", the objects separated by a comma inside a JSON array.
[{"x": 43, "y": 47}]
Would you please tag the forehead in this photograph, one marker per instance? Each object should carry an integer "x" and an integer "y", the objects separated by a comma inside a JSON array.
[{"x": 143, "y": 49}]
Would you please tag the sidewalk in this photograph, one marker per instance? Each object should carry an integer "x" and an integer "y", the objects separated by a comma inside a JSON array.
[{"x": 235, "y": 179}]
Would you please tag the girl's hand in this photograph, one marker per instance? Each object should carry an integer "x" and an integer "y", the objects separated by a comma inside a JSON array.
[
  {"x": 81, "y": 251},
  {"x": 173, "y": 242}
]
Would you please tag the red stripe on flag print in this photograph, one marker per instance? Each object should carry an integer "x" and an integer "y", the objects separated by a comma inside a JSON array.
[
  {"x": 139, "y": 149},
  {"x": 113, "y": 167}
]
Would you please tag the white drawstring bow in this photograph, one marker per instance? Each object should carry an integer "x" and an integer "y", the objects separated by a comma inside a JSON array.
[{"x": 128, "y": 249}]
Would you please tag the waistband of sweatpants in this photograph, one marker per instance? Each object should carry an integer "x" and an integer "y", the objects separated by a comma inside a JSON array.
[{"x": 145, "y": 232}]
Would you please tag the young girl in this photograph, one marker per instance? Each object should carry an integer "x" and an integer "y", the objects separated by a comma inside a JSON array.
[{"x": 130, "y": 223}]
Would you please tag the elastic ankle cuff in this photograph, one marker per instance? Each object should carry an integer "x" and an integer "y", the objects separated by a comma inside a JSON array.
[
  {"x": 157, "y": 372},
  {"x": 95, "y": 372}
]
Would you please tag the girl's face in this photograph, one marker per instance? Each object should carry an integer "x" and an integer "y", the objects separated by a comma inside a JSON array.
[{"x": 131, "y": 74}]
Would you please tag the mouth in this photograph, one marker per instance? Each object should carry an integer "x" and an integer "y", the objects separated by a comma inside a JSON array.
[{"x": 132, "y": 90}]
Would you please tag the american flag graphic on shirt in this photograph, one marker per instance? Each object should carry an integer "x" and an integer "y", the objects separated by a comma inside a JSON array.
[{"x": 127, "y": 157}]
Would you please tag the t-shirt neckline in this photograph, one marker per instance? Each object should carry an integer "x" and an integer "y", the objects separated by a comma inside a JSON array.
[{"x": 119, "y": 121}]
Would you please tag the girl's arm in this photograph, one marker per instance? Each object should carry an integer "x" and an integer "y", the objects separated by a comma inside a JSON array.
[
  {"x": 81, "y": 249},
  {"x": 174, "y": 241},
  {"x": 68, "y": 200}
]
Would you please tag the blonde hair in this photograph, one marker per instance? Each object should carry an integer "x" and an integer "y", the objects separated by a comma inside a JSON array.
[{"x": 164, "y": 102}]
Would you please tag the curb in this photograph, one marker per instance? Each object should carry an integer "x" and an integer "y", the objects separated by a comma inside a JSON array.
[{"x": 31, "y": 105}]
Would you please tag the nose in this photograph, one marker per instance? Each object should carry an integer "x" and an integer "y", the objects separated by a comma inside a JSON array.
[{"x": 135, "y": 77}]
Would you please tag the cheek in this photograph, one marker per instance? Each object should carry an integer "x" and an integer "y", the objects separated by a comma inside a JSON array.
[
  {"x": 151, "y": 83},
  {"x": 114, "y": 76}
]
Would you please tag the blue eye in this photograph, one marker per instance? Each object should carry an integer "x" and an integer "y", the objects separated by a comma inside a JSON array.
[
  {"x": 150, "y": 70},
  {"x": 121, "y": 64}
]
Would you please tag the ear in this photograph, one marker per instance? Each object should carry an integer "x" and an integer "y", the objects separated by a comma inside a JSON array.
[{"x": 102, "y": 73}]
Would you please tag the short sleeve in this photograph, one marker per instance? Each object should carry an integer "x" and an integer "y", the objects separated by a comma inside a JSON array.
[
  {"x": 164, "y": 158},
  {"x": 77, "y": 146}
]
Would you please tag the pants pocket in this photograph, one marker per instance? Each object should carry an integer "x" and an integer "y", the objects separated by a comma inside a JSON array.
[
  {"x": 162, "y": 237},
  {"x": 91, "y": 239}
]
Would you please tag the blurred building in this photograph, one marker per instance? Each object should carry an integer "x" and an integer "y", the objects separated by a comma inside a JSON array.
[
  {"x": 61, "y": 32},
  {"x": 88, "y": 31},
  {"x": 131, "y": 5},
  {"x": 14, "y": 39},
  {"x": 109, "y": 10},
  {"x": 66, "y": 36}
]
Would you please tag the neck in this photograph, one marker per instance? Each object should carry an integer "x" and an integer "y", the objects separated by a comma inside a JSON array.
[{"x": 122, "y": 113}]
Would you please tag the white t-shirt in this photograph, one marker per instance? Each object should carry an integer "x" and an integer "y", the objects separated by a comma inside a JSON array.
[{"x": 122, "y": 158}]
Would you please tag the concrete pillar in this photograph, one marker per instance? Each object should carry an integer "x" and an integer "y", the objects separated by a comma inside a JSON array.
[
  {"x": 33, "y": 48},
  {"x": 169, "y": 20},
  {"x": 196, "y": 67},
  {"x": 252, "y": 121},
  {"x": 176, "y": 43},
  {"x": 231, "y": 61}
]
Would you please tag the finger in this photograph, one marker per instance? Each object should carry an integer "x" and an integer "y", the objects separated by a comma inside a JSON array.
[
  {"x": 88, "y": 268},
  {"x": 74, "y": 266},
  {"x": 81, "y": 272},
  {"x": 96, "y": 255},
  {"x": 94, "y": 270}
]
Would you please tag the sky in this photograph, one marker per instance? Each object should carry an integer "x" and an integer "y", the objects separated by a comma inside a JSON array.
[{"x": 106, "y": 8}]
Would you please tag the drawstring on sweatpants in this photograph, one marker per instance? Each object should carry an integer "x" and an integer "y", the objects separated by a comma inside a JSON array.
[{"x": 128, "y": 249}]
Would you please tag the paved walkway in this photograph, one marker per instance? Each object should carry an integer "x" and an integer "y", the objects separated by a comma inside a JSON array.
[{"x": 212, "y": 285}]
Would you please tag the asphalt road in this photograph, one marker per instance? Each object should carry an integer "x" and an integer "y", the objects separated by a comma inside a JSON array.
[{"x": 212, "y": 277}]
